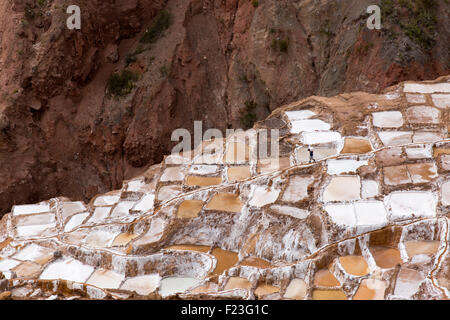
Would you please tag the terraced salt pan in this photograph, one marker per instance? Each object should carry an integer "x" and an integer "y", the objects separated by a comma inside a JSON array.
[
  {"x": 299, "y": 114},
  {"x": 361, "y": 213},
  {"x": 370, "y": 213},
  {"x": 423, "y": 114},
  {"x": 395, "y": 138},
  {"x": 203, "y": 169},
  {"x": 106, "y": 279},
  {"x": 290, "y": 211},
  {"x": 8, "y": 264},
  {"x": 371, "y": 289},
  {"x": 426, "y": 88},
  {"x": 75, "y": 221},
  {"x": 122, "y": 209},
  {"x": 441, "y": 100},
  {"x": 354, "y": 265},
  {"x": 341, "y": 214},
  {"x": 445, "y": 193},
  {"x": 168, "y": 192},
  {"x": 417, "y": 247},
  {"x": 142, "y": 285},
  {"x": 173, "y": 285},
  {"x": 426, "y": 137},
  {"x": 296, "y": 290},
  {"x": 419, "y": 152},
  {"x": 345, "y": 188},
  {"x": 388, "y": 119},
  {"x": 145, "y": 204},
  {"x": 35, "y": 253},
  {"x": 36, "y": 219},
  {"x": 263, "y": 195},
  {"x": 70, "y": 208},
  {"x": 297, "y": 188},
  {"x": 405, "y": 204},
  {"x": 265, "y": 289},
  {"x": 30, "y": 208},
  {"x": 369, "y": 189},
  {"x": 67, "y": 269},
  {"x": 319, "y": 137},
  {"x": 415, "y": 98},
  {"x": 154, "y": 233},
  {"x": 99, "y": 239},
  {"x": 324, "y": 278},
  {"x": 309, "y": 125},
  {"x": 107, "y": 200},
  {"x": 342, "y": 166},
  {"x": 135, "y": 185},
  {"x": 36, "y": 230},
  {"x": 173, "y": 174},
  {"x": 408, "y": 282},
  {"x": 100, "y": 213}
]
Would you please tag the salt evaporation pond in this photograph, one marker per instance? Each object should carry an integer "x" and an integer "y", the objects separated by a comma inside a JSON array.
[{"x": 173, "y": 285}]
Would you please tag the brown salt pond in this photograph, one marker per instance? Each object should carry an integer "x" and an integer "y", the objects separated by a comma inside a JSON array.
[
  {"x": 238, "y": 173},
  {"x": 225, "y": 260},
  {"x": 189, "y": 209},
  {"x": 265, "y": 289},
  {"x": 328, "y": 295},
  {"x": 386, "y": 258},
  {"x": 354, "y": 265},
  {"x": 256, "y": 262},
  {"x": 354, "y": 145},
  {"x": 203, "y": 181},
  {"x": 123, "y": 239},
  {"x": 237, "y": 283},
  {"x": 27, "y": 269},
  {"x": 189, "y": 247},
  {"x": 324, "y": 278},
  {"x": 414, "y": 248},
  {"x": 225, "y": 202},
  {"x": 370, "y": 289}
]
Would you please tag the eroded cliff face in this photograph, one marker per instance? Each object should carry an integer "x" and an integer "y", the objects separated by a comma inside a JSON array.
[
  {"x": 63, "y": 134},
  {"x": 367, "y": 219}
]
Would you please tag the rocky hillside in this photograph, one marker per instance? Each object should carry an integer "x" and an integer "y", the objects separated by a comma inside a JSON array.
[
  {"x": 368, "y": 219},
  {"x": 82, "y": 110}
]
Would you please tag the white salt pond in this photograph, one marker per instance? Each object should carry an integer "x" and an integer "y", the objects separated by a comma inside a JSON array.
[
  {"x": 145, "y": 204},
  {"x": 388, "y": 119},
  {"x": 8, "y": 264},
  {"x": 122, "y": 208},
  {"x": 30, "y": 208},
  {"x": 426, "y": 88},
  {"x": 262, "y": 196},
  {"x": 419, "y": 152},
  {"x": 70, "y": 208},
  {"x": 99, "y": 239},
  {"x": 34, "y": 252},
  {"x": 341, "y": 214},
  {"x": 172, "y": 174},
  {"x": 75, "y": 221},
  {"x": 297, "y": 188},
  {"x": 319, "y": 137},
  {"x": 36, "y": 230},
  {"x": 395, "y": 138},
  {"x": 107, "y": 200},
  {"x": 405, "y": 204},
  {"x": 344, "y": 165},
  {"x": 299, "y": 114},
  {"x": 142, "y": 285},
  {"x": 423, "y": 114},
  {"x": 203, "y": 169},
  {"x": 343, "y": 188},
  {"x": 309, "y": 125},
  {"x": 290, "y": 211},
  {"x": 106, "y": 279},
  {"x": 415, "y": 98},
  {"x": 445, "y": 193},
  {"x": 100, "y": 213},
  {"x": 296, "y": 289},
  {"x": 441, "y": 100},
  {"x": 67, "y": 269},
  {"x": 370, "y": 213},
  {"x": 173, "y": 285},
  {"x": 369, "y": 189}
]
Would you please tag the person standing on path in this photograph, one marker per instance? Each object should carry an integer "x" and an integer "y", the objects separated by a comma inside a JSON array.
[{"x": 311, "y": 155}]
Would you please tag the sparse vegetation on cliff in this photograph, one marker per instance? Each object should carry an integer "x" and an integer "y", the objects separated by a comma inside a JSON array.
[
  {"x": 156, "y": 30},
  {"x": 121, "y": 84},
  {"x": 248, "y": 115}
]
